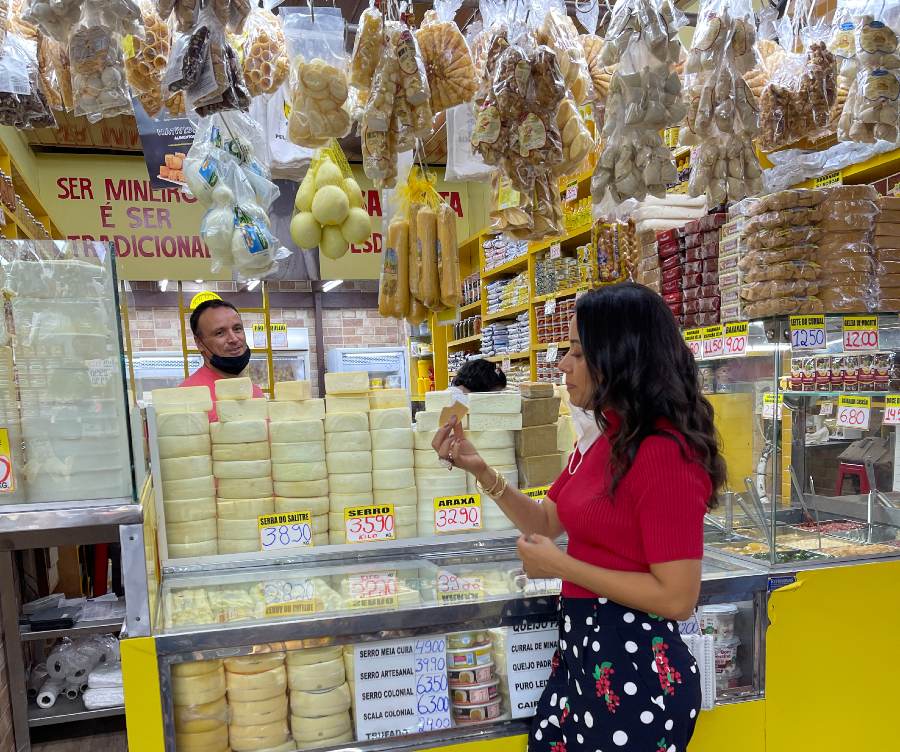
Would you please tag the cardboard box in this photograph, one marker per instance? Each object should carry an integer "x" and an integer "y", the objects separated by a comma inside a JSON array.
[
  {"x": 536, "y": 389},
  {"x": 536, "y": 440},
  {"x": 538, "y": 412}
]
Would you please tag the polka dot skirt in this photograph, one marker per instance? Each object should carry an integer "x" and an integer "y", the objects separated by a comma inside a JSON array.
[{"x": 622, "y": 681}]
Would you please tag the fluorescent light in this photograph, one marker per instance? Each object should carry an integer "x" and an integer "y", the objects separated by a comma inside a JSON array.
[
  {"x": 251, "y": 285},
  {"x": 163, "y": 284},
  {"x": 331, "y": 284},
  {"x": 199, "y": 281}
]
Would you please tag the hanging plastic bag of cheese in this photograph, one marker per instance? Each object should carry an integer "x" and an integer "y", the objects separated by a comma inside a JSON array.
[
  {"x": 393, "y": 288},
  {"x": 423, "y": 200}
]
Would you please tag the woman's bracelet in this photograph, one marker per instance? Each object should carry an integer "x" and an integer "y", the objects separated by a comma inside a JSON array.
[{"x": 497, "y": 489}]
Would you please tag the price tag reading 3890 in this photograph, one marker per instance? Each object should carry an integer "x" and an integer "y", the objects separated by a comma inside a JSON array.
[{"x": 287, "y": 530}]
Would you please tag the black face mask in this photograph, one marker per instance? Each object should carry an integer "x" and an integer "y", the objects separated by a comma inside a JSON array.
[{"x": 231, "y": 364}]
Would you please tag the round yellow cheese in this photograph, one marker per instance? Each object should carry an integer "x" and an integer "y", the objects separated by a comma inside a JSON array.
[
  {"x": 214, "y": 740},
  {"x": 393, "y": 438},
  {"x": 309, "y": 656},
  {"x": 315, "y": 505},
  {"x": 195, "y": 668},
  {"x": 341, "y": 462},
  {"x": 230, "y": 410},
  {"x": 348, "y": 483},
  {"x": 239, "y": 546},
  {"x": 320, "y": 539},
  {"x": 339, "y": 502},
  {"x": 182, "y": 424},
  {"x": 346, "y": 422},
  {"x": 187, "y": 550},
  {"x": 244, "y": 488},
  {"x": 392, "y": 459},
  {"x": 317, "y": 676},
  {"x": 255, "y": 687},
  {"x": 182, "y": 468},
  {"x": 329, "y": 727},
  {"x": 307, "y": 451},
  {"x": 295, "y": 431},
  {"x": 198, "y": 690},
  {"x": 264, "y": 711},
  {"x": 391, "y": 417},
  {"x": 422, "y": 440},
  {"x": 401, "y": 497},
  {"x": 498, "y": 457},
  {"x": 254, "y": 664},
  {"x": 297, "y": 472},
  {"x": 302, "y": 489},
  {"x": 258, "y": 736},
  {"x": 319, "y": 524},
  {"x": 242, "y": 470},
  {"x": 191, "y": 532},
  {"x": 388, "y": 479},
  {"x": 242, "y": 509},
  {"x": 257, "y": 450},
  {"x": 320, "y": 704},
  {"x": 189, "y": 510},
  {"x": 239, "y": 432},
  {"x": 427, "y": 459},
  {"x": 484, "y": 440},
  {"x": 189, "y": 488},
  {"x": 354, "y": 441},
  {"x": 206, "y": 717},
  {"x": 183, "y": 446}
]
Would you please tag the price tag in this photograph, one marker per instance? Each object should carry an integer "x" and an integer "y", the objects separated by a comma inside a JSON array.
[
  {"x": 826, "y": 409},
  {"x": 365, "y": 524},
  {"x": 769, "y": 404},
  {"x": 375, "y": 590},
  {"x": 287, "y": 530},
  {"x": 538, "y": 492},
  {"x": 555, "y": 251},
  {"x": 101, "y": 371},
  {"x": 7, "y": 478},
  {"x": 713, "y": 341},
  {"x": 529, "y": 656},
  {"x": 736, "y": 334},
  {"x": 552, "y": 352},
  {"x": 807, "y": 332},
  {"x": 292, "y": 597},
  {"x": 279, "y": 335},
  {"x": 400, "y": 687},
  {"x": 505, "y": 364},
  {"x": 670, "y": 136},
  {"x": 550, "y": 307},
  {"x": 854, "y": 412},
  {"x": 571, "y": 191},
  {"x": 892, "y": 410},
  {"x": 694, "y": 340},
  {"x": 259, "y": 335},
  {"x": 860, "y": 333},
  {"x": 453, "y": 588},
  {"x": 455, "y": 514},
  {"x": 832, "y": 178},
  {"x": 294, "y": 608},
  {"x": 580, "y": 291}
]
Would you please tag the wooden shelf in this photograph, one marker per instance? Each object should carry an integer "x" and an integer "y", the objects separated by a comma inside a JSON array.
[
  {"x": 575, "y": 233},
  {"x": 569, "y": 291},
  {"x": 470, "y": 308},
  {"x": 506, "y": 313},
  {"x": 511, "y": 266},
  {"x": 26, "y": 197},
  {"x": 563, "y": 345},
  {"x": 464, "y": 341},
  {"x": 524, "y": 355}
]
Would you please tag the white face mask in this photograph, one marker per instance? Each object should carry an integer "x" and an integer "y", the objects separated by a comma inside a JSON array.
[{"x": 586, "y": 428}]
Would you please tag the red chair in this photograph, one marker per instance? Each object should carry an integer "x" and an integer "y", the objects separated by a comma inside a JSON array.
[{"x": 848, "y": 469}]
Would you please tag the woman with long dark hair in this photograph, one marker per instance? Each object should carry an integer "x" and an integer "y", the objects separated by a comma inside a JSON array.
[{"x": 644, "y": 472}]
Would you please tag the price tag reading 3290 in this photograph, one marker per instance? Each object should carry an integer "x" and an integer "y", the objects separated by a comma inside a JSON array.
[{"x": 455, "y": 514}]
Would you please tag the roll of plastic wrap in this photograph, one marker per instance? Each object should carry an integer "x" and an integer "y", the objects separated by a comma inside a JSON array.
[
  {"x": 321, "y": 704},
  {"x": 299, "y": 472},
  {"x": 186, "y": 550},
  {"x": 190, "y": 719},
  {"x": 190, "y": 532},
  {"x": 302, "y": 490},
  {"x": 242, "y": 509},
  {"x": 36, "y": 678},
  {"x": 254, "y": 713},
  {"x": 392, "y": 459},
  {"x": 195, "y": 668},
  {"x": 49, "y": 692},
  {"x": 349, "y": 483},
  {"x": 189, "y": 510},
  {"x": 342, "y": 462},
  {"x": 257, "y": 450},
  {"x": 258, "y": 736},
  {"x": 401, "y": 497},
  {"x": 183, "y": 446},
  {"x": 307, "y": 451},
  {"x": 198, "y": 690},
  {"x": 214, "y": 740},
  {"x": 310, "y": 656},
  {"x": 72, "y": 690},
  {"x": 344, "y": 441},
  {"x": 296, "y": 431},
  {"x": 191, "y": 488},
  {"x": 254, "y": 664},
  {"x": 242, "y": 470},
  {"x": 183, "y": 468},
  {"x": 329, "y": 727},
  {"x": 239, "y": 432},
  {"x": 255, "y": 687},
  {"x": 315, "y": 505},
  {"x": 182, "y": 424},
  {"x": 317, "y": 676}
]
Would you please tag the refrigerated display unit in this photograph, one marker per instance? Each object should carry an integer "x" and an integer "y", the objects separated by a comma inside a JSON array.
[{"x": 388, "y": 367}]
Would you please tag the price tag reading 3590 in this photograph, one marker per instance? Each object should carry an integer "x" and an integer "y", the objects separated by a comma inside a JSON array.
[
  {"x": 860, "y": 333},
  {"x": 455, "y": 514},
  {"x": 369, "y": 523},
  {"x": 892, "y": 410},
  {"x": 807, "y": 332},
  {"x": 286, "y": 530},
  {"x": 854, "y": 412}
]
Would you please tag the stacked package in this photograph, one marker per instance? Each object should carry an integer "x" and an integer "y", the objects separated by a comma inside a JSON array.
[
  {"x": 887, "y": 252},
  {"x": 298, "y": 455},
  {"x": 70, "y": 384},
  {"x": 393, "y": 465},
  {"x": 732, "y": 247},
  {"x": 201, "y": 712},
  {"x": 537, "y": 453},
  {"x": 241, "y": 465},
  {"x": 348, "y": 447},
  {"x": 257, "y": 703},
  {"x": 186, "y": 470},
  {"x": 670, "y": 249},
  {"x": 700, "y": 271},
  {"x": 845, "y": 252},
  {"x": 320, "y": 697},
  {"x": 648, "y": 272},
  {"x": 780, "y": 273}
]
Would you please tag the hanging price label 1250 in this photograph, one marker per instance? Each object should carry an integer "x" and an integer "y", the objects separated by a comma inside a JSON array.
[
  {"x": 892, "y": 410},
  {"x": 454, "y": 514},
  {"x": 694, "y": 339},
  {"x": 807, "y": 332},
  {"x": 369, "y": 523},
  {"x": 854, "y": 412},
  {"x": 860, "y": 333},
  {"x": 736, "y": 334},
  {"x": 287, "y": 530}
]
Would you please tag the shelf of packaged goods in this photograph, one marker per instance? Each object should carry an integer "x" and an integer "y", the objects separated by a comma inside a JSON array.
[
  {"x": 834, "y": 395},
  {"x": 12, "y": 219},
  {"x": 582, "y": 177},
  {"x": 65, "y": 710},
  {"x": 510, "y": 267},
  {"x": 524, "y": 355},
  {"x": 464, "y": 341},
  {"x": 872, "y": 169},
  {"x": 25, "y": 196},
  {"x": 506, "y": 313},
  {"x": 470, "y": 308},
  {"x": 576, "y": 232},
  {"x": 80, "y": 629},
  {"x": 564, "y": 345},
  {"x": 566, "y": 293}
]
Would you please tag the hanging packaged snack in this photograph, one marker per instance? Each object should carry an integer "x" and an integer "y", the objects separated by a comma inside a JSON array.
[
  {"x": 367, "y": 48},
  {"x": 98, "y": 70},
  {"x": 415, "y": 255},
  {"x": 426, "y": 251},
  {"x": 264, "y": 57},
  {"x": 448, "y": 63},
  {"x": 146, "y": 58},
  {"x": 413, "y": 89},
  {"x": 22, "y": 103},
  {"x": 509, "y": 208},
  {"x": 48, "y": 82},
  {"x": 393, "y": 287},
  {"x": 56, "y": 20},
  {"x": 448, "y": 256},
  {"x": 600, "y": 75},
  {"x": 58, "y": 57},
  {"x": 559, "y": 34},
  {"x": 576, "y": 139}
]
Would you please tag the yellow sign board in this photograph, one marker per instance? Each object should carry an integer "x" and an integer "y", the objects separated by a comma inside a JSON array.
[{"x": 7, "y": 476}]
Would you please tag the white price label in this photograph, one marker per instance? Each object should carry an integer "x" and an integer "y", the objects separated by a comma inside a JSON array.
[
  {"x": 552, "y": 352},
  {"x": 287, "y": 530},
  {"x": 736, "y": 335},
  {"x": 550, "y": 307},
  {"x": 529, "y": 656},
  {"x": 860, "y": 333},
  {"x": 505, "y": 364},
  {"x": 769, "y": 404},
  {"x": 571, "y": 191},
  {"x": 892, "y": 410},
  {"x": 807, "y": 332},
  {"x": 713, "y": 341},
  {"x": 555, "y": 251},
  {"x": 7, "y": 479},
  {"x": 454, "y": 514},
  {"x": 364, "y": 524},
  {"x": 854, "y": 412},
  {"x": 826, "y": 409},
  {"x": 453, "y": 588},
  {"x": 694, "y": 340}
]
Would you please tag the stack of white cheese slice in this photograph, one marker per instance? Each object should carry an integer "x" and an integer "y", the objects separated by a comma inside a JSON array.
[
  {"x": 320, "y": 697},
  {"x": 393, "y": 477},
  {"x": 200, "y": 708},
  {"x": 241, "y": 465},
  {"x": 258, "y": 702},
  {"x": 497, "y": 449},
  {"x": 185, "y": 467},
  {"x": 433, "y": 480}
]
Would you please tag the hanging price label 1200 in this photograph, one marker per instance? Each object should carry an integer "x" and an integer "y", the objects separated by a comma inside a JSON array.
[
  {"x": 892, "y": 410},
  {"x": 287, "y": 530},
  {"x": 369, "y": 523},
  {"x": 854, "y": 412},
  {"x": 736, "y": 334},
  {"x": 713, "y": 341},
  {"x": 860, "y": 333},
  {"x": 807, "y": 332},
  {"x": 455, "y": 514}
]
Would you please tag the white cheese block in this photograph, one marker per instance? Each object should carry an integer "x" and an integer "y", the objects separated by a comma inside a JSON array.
[
  {"x": 258, "y": 450},
  {"x": 439, "y": 476},
  {"x": 297, "y": 431},
  {"x": 397, "y": 496},
  {"x": 403, "y": 516},
  {"x": 348, "y": 483},
  {"x": 336, "y": 405},
  {"x": 383, "y": 399},
  {"x": 196, "y": 531},
  {"x": 258, "y": 737},
  {"x": 244, "y": 488},
  {"x": 392, "y": 438},
  {"x": 239, "y": 546},
  {"x": 306, "y": 451},
  {"x": 319, "y": 704},
  {"x": 394, "y": 417},
  {"x": 317, "y": 676},
  {"x": 183, "y": 446},
  {"x": 427, "y": 421},
  {"x": 237, "y": 388},
  {"x": 295, "y": 472},
  {"x": 182, "y": 399},
  {"x": 422, "y": 440},
  {"x": 254, "y": 664},
  {"x": 495, "y": 402},
  {"x": 244, "y": 530},
  {"x": 437, "y": 401},
  {"x": 341, "y": 501},
  {"x": 498, "y": 456},
  {"x": 238, "y": 469},
  {"x": 182, "y": 424},
  {"x": 356, "y": 462},
  {"x": 185, "y": 550},
  {"x": 245, "y": 409},
  {"x": 337, "y": 537},
  {"x": 348, "y": 441},
  {"x": 427, "y": 459},
  {"x": 346, "y": 382},
  {"x": 389, "y": 479},
  {"x": 320, "y": 540},
  {"x": 312, "y": 409},
  {"x": 242, "y": 509},
  {"x": 189, "y": 488},
  {"x": 181, "y": 468},
  {"x": 256, "y": 687},
  {"x": 319, "y": 524},
  {"x": 256, "y": 713},
  {"x": 196, "y": 668},
  {"x": 392, "y": 459},
  {"x": 329, "y": 727},
  {"x": 292, "y": 391},
  {"x": 302, "y": 489},
  {"x": 346, "y": 422},
  {"x": 239, "y": 432},
  {"x": 310, "y": 656},
  {"x": 315, "y": 505},
  {"x": 205, "y": 717},
  {"x": 492, "y": 439},
  {"x": 213, "y": 740},
  {"x": 495, "y": 422},
  {"x": 189, "y": 510}
]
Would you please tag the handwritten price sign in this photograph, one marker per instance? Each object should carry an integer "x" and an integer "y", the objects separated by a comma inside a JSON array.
[
  {"x": 694, "y": 339},
  {"x": 713, "y": 341},
  {"x": 892, "y": 410},
  {"x": 369, "y": 523},
  {"x": 736, "y": 334},
  {"x": 290, "y": 530},
  {"x": 854, "y": 412},
  {"x": 538, "y": 493},
  {"x": 772, "y": 407},
  {"x": 456, "y": 514},
  {"x": 807, "y": 332},
  {"x": 860, "y": 333},
  {"x": 378, "y": 589},
  {"x": 453, "y": 588}
]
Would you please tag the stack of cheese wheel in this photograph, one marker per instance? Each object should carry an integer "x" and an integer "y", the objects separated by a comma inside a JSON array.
[
  {"x": 348, "y": 447},
  {"x": 241, "y": 465},
  {"x": 185, "y": 467},
  {"x": 393, "y": 479},
  {"x": 200, "y": 709},
  {"x": 298, "y": 455},
  {"x": 258, "y": 701},
  {"x": 489, "y": 413},
  {"x": 497, "y": 449},
  {"x": 320, "y": 697}
]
